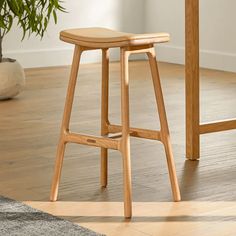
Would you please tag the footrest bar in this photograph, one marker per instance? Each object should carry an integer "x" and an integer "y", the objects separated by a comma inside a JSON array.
[
  {"x": 217, "y": 126},
  {"x": 92, "y": 140},
  {"x": 137, "y": 132}
]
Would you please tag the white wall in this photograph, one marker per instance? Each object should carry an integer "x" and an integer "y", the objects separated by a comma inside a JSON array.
[
  {"x": 33, "y": 52},
  {"x": 217, "y": 31}
]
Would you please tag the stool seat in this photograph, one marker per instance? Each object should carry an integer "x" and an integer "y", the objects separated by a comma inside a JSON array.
[{"x": 104, "y": 38}]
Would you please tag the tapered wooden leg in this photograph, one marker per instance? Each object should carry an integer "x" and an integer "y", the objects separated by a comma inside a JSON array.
[
  {"x": 125, "y": 142},
  {"x": 104, "y": 114},
  {"x": 65, "y": 123},
  {"x": 57, "y": 169},
  {"x": 165, "y": 137}
]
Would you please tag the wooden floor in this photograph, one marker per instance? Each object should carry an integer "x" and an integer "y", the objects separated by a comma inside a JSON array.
[{"x": 29, "y": 130}]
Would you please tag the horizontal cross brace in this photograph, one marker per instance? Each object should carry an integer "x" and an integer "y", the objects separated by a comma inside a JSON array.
[
  {"x": 92, "y": 140},
  {"x": 217, "y": 126},
  {"x": 137, "y": 132}
]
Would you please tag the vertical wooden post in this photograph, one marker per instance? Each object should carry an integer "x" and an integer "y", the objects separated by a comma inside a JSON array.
[
  {"x": 104, "y": 113},
  {"x": 65, "y": 123},
  {"x": 125, "y": 142},
  {"x": 192, "y": 79}
]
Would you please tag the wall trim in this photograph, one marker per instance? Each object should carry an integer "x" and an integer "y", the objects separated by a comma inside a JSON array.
[
  {"x": 166, "y": 53},
  {"x": 59, "y": 57},
  {"x": 208, "y": 59}
]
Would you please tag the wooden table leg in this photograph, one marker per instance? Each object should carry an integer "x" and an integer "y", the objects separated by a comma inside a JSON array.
[{"x": 192, "y": 78}]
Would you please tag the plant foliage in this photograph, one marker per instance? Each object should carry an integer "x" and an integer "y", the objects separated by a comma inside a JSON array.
[{"x": 32, "y": 16}]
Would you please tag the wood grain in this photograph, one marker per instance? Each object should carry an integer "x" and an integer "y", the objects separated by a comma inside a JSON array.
[
  {"x": 107, "y": 38},
  {"x": 30, "y": 127},
  {"x": 104, "y": 114},
  {"x": 217, "y": 126},
  {"x": 104, "y": 39},
  {"x": 65, "y": 123},
  {"x": 192, "y": 79},
  {"x": 165, "y": 134}
]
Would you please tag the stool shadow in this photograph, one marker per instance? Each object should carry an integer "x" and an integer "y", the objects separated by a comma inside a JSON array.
[
  {"x": 180, "y": 218},
  {"x": 189, "y": 180}
]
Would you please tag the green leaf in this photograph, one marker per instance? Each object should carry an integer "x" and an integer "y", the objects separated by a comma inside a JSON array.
[
  {"x": 55, "y": 16},
  {"x": 2, "y": 24},
  {"x": 1, "y": 3},
  {"x": 13, "y": 6},
  {"x": 32, "y": 16},
  {"x": 10, "y": 21}
]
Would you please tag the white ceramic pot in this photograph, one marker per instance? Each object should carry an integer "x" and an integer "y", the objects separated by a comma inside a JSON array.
[{"x": 12, "y": 79}]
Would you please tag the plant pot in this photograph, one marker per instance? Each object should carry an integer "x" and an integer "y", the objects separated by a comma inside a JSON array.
[{"x": 12, "y": 79}]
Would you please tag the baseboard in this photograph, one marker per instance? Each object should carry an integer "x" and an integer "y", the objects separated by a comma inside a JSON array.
[
  {"x": 166, "y": 53},
  {"x": 58, "y": 57},
  {"x": 42, "y": 58},
  {"x": 208, "y": 59}
]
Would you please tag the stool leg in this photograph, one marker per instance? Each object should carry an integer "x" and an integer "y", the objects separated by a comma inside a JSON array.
[
  {"x": 164, "y": 125},
  {"x": 104, "y": 113},
  {"x": 65, "y": 123},
  {"x": 125, "y": 141}
]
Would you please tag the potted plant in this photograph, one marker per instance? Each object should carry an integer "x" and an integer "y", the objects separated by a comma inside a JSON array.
[{"x": 32, "y": 16}]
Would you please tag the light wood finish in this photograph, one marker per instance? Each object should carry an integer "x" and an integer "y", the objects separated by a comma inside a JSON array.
[
  {"x": 91, "y": 140},
  {"x": 182, "y": 219},
  {"x": 106, "y": 38},
  {"x": 83, "y": 38},
  {"x": 192, "y": 79},
  {"x": 193, "y": 126},
  {"x": 217, "y": 126},
  {"x": 65, "y": 123},
  {"x": 104, "y": 114},
  {"x": 125, "y": 140},
  {"x": 165, "y": 135},
  {"x": 29, "y": 127},
  {"x": 137, "y": 132}
]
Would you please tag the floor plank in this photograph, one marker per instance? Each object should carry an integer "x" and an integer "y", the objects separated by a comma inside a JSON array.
[{"x": 29, "y": 128}]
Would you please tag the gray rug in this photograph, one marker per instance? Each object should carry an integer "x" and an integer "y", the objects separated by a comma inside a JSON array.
[{"x": 19, "y": 219}]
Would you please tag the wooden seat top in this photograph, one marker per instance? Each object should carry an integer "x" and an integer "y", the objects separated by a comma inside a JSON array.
[{"x": 106, "y": 38}]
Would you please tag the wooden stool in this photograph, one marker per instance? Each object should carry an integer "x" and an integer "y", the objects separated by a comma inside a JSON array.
[{"x": 101, "y": 38}]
